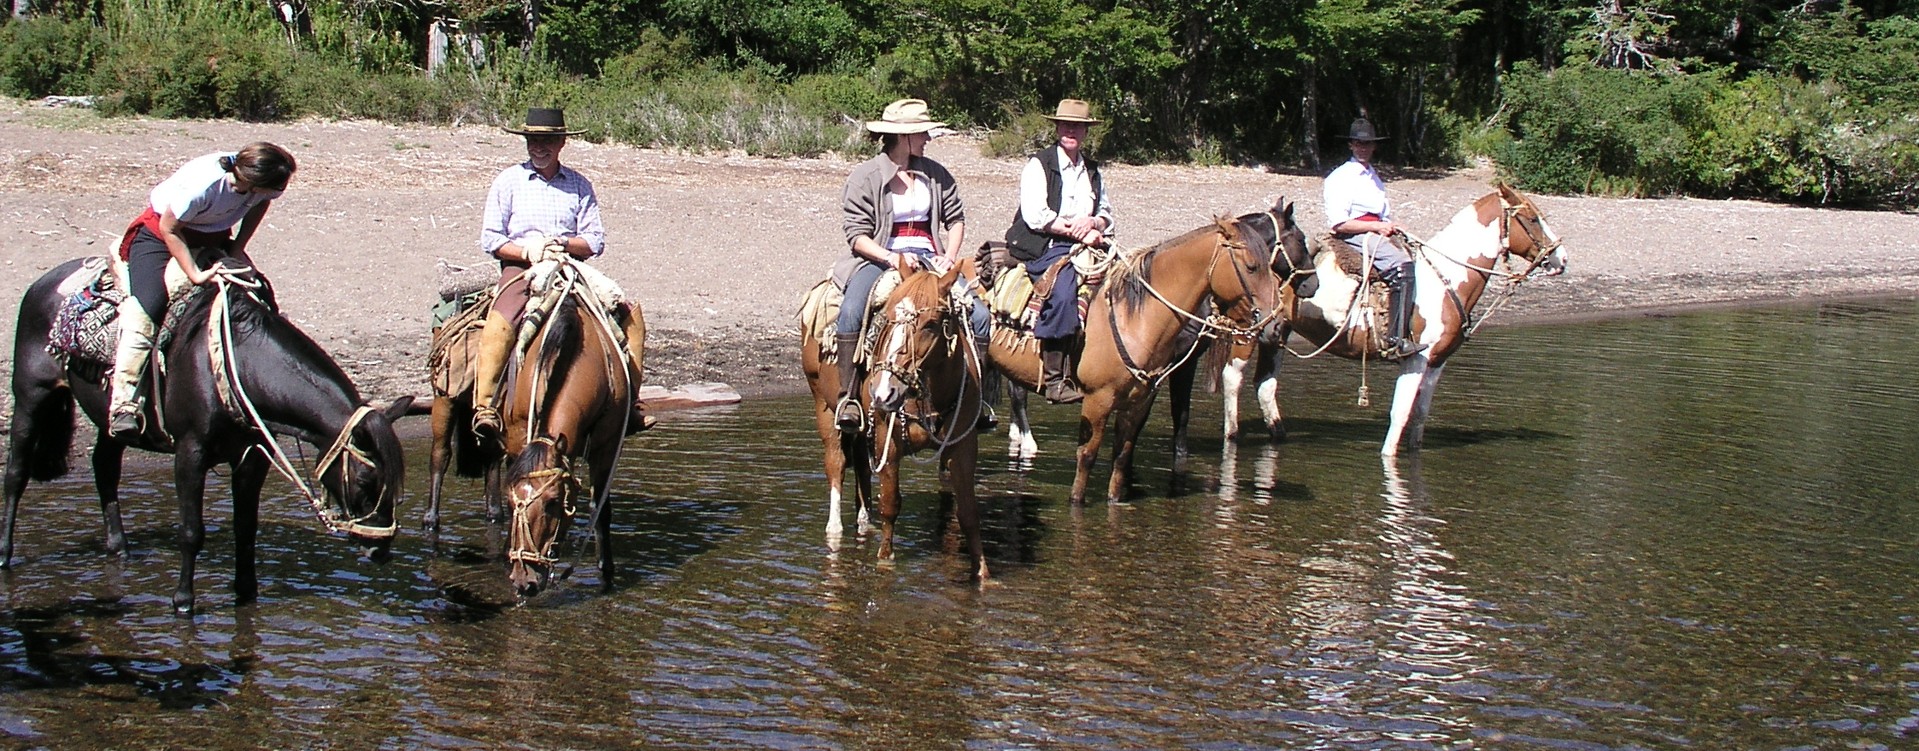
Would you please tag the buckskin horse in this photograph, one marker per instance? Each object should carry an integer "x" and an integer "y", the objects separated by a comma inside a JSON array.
[
  {"x": 1149, "y": 317},
  {"x": 1454, "y": 269},
  {"x": 570, "y": 399},
  {"x": 276, "y": 379}
]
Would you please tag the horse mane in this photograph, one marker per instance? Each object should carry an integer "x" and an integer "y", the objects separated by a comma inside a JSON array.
[
  {"x": 251, "y": 317},
  {"x": 560, "y": 344},
  {"x": 1128, "y": 274},
  {"x": 535, "y": 456}
]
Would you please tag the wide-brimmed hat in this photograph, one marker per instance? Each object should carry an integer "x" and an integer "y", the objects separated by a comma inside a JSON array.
[
  {"x": 1073, "y": 111},
  {"x": 1362, "y": 130},
  {"x": 904, "y": 116},
  {"x": 543, "y": 121}
]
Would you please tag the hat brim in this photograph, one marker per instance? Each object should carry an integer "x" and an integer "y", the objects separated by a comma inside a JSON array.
[
  {"x": 542, "y": 131},
  {"x": 1367, "y": 139},
  {"x": 1072, "y": 119},
  {"x": 882, "y": 126}
]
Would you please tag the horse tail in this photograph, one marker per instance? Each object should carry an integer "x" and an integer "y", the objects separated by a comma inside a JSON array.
[{"x": 50, "y": 435}]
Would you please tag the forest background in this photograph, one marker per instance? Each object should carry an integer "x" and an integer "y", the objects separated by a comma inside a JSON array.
[{"x": 1808, "y": 102}]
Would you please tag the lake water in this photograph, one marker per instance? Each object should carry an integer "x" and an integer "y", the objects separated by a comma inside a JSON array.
[{"x": 1697, "y": 531}]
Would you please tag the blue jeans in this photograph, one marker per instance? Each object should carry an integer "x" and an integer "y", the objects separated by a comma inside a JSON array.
[
  {"x": 1059, "y": 313},
  {"x": 859, "y": 288}
]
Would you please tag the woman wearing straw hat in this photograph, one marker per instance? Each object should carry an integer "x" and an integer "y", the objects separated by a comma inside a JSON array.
[
  {"x": 1062, "y": 204},
  {"x": 538, "y": 210},
  {"x": 893, "y": 208},
  {"x": 1360, "y": 214}
]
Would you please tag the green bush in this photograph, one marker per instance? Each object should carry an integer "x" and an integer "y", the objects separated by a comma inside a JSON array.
[
  {"x": 203, "y": 71},
  {"x": 1584, "y": 129},
  {"x": 43, "y": 56}
]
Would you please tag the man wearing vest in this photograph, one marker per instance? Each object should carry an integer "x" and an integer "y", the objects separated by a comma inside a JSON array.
[{"x": 1062, "y": 204}]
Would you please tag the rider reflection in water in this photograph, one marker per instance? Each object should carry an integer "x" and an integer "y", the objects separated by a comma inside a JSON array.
[
  {"x": 538, "y": 210},
  {"x": 175, "y": 244}
]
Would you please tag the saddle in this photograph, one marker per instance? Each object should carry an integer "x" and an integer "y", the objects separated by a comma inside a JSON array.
[
  {"x": 820, "y": 310},
  {"x": 86, "y": 327},
  {"x": 465, "y": 299},
  {"x": 1350, "y": 262},
  {"x": 1015, "y": 299}
]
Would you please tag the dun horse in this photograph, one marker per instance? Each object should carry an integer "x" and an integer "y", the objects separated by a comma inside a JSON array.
[
  {"x": 275, "y": 379},
  {"x": 1455, "y": 268},
  {"x": 922, "y": 391},
  {"x": 570, "y": 400},
  {"x": 1148, "y": 320}
]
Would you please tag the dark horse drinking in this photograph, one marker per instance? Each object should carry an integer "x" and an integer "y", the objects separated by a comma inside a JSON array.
[{"x": 275, "y": 379}]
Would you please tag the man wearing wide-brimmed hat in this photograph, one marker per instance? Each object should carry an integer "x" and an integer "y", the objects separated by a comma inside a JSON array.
[
  {"x": 537, "y": 210},
  {"x": 1360, "y": 214},
  {"x": 1062, "y": 205}
]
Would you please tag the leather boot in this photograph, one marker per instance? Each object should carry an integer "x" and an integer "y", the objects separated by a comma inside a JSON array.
[
  {"x": 1400, "y": 315},
  {"x": 496, "y": 346},
  {"x": 130, "y": 357},
  {"x": 1057, "y": 363},
  {"x": 848, "y": 414},
  {"x": 633, "y": 322}
]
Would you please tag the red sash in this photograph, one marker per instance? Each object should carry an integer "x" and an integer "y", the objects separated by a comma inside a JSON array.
[
  {"x": 150, "y": 219},
  {"x": 913, "y": 229}
]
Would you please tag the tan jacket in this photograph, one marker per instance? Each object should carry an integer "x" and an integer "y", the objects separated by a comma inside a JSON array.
[{"x": 867, "y": 207}]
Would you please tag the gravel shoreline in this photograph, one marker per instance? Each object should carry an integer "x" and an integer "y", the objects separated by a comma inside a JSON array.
[{"x": 719, "y": 248}]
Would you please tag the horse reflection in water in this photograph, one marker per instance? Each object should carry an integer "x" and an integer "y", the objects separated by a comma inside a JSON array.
[
  {"x": 1454, "y": 268},
  {"x": 1150, "y": 318},
  {"x": 570, "y": 400},
  {"x": 276, "y": 378}
]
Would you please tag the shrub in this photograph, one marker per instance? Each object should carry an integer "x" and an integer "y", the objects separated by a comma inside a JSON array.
[
  {"x": 1584, "y": 129},
  {"x": 43, "y": 56}
]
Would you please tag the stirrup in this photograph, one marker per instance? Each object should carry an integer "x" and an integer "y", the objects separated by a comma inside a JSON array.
[
  {"x": 848, "y": 415},
  {"x": 1061, "y": 392},
  {"x": 641, "y": 423},
  {"x": 987, "y": 421},
  {"x": 1402, "y": 348},
  {"x": 126, "y": 425},
  {"x": 486, "y": 422}
]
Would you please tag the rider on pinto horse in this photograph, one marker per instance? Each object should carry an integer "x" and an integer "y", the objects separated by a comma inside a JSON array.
[
  {"x": 1361, "y": 216},
  {"x": 537, "y": 210}
]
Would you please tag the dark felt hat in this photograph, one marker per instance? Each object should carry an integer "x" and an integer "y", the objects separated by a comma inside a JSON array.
[
  {"x": 1362, "y": 130},
  {"x": 543, "y": 121}
]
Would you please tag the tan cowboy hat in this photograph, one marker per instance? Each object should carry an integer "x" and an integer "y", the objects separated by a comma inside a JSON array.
[
  {"x": 1362, "y": 130},
  {"x": 1073, "y": 111},
  {"x": 543, "y": 121},
  {"x": 904, "y": 116}
]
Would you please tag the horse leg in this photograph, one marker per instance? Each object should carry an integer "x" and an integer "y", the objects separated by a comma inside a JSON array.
[
  {"x": 107, "y": 456},
  {"x": 889, "y": 497},
  {"x": 830, "y": 441},
  {"x": 1266, "y": 384},
  {"x": 248, "y": 475},
  {"x": 1182, "y": 399},
  {"x": 963, "y": 467},
  {"x": 603, "y": 514},
  {"x": 1019, "y": 433},
  {"x": 1230, "y": 377},
  {"x": 190, "y": 483},
  {"x": 1405, "y": 395},
  {"x": 1416, "y": 434},
  {"x": 37, "y": 442},
  {"x": 442, "y": 452},
  {"x": 857, "y": 451},
  {"x": 1127, "y": 422},
  {"x": 1093, "y": 412}
]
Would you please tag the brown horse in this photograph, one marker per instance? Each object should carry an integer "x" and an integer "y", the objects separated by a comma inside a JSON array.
[
  {"x": 569, "y": 400},
  {"x": 1454, "y": 270},
  {"x": 922, "y": 391},
  {"x": 1149, "y": 319}
]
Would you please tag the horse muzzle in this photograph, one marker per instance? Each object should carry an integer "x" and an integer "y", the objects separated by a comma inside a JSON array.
[
  {"x": 889, "y": 395},
  {"x": 528, "y": 579}
]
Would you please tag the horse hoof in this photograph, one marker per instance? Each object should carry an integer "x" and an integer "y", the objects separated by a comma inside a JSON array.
[
  {"x": 183, "y": 608},
  {"x": 1276, "y": 431}
]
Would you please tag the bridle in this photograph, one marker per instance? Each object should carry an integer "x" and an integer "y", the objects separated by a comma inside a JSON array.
[
  {"x": 911, "y": 376},
  {"x": 560, "y": 477},
  {"x": 1214, "y": 325}
]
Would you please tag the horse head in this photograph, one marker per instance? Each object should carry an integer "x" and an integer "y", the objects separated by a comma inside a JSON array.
[
  {"x": 363, "y": 473},
  {"x": 1523, "y": 232},
  {"x": 920, "y": 318},
  {"x": 542, "y": 487},
  {"x": 1275, "y": 232}
]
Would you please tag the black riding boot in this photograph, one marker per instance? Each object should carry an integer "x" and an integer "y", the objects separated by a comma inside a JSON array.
[
  {"x": 1400, "y": 313},
  {"x": 847, "y": 412},
  {"x": 1057, "y": 365}
]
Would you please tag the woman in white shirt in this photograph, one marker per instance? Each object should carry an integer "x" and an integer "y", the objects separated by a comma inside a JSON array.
[{"x": 187, "y": 227}]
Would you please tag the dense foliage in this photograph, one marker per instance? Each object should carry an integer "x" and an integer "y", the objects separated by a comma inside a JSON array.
[{"x": 1813, "y": 100}]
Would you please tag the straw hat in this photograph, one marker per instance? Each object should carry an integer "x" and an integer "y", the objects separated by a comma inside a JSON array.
[
  {"x": 1073, "y": 111},
  {"x": 1362, "y": 130},
  {"x": 904, "y": 116},
  {"x": 543, "y": 121}
]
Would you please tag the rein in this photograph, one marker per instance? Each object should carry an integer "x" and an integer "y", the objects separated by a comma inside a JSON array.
[
  {"x": 949, "y": 313},
  {"x": 569, "y": 485},
  {"x": 1211, "y": 326},
  {"x": 220, "y": 328}
]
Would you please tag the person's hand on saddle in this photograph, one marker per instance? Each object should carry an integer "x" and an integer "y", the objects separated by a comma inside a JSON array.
[{"x": 904, "y": 261}]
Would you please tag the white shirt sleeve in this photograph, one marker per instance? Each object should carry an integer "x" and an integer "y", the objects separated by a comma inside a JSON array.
[{"x": 1032, "y": 197}]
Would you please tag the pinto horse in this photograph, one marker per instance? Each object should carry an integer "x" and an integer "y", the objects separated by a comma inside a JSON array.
[
  {"x": 570, "y": 400},
  {"x": 277, "y": 380},
  {"x": 1146, "y": 324},
  {"x": 925, "y": 387},
  {"x": 1454, "y": 270}
]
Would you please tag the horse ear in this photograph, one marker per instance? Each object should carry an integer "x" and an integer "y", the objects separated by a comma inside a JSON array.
[
  {"x": 559, "y": 444},
  {"x": 402, "y": 407},
  {"x": 953, "y": 272},
  {"x": 1512, "y": 197},
  {"x": 1288, "y": 213}
]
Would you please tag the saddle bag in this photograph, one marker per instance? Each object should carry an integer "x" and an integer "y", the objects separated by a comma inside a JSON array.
[{"x": 86, "y": 327}]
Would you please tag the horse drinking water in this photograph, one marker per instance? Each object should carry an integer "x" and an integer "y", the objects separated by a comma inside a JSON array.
[{"x": 237, "y": 373}]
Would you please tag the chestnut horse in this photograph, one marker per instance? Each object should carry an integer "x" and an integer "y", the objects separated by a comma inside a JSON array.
[
  {"x": 271, "y": 378},
  {"x": 1454, "y": 269},
  {"x": 1146, "y": 322},
  {"x": 570, "y": 399},
  {"x": 921, "y": 391}
]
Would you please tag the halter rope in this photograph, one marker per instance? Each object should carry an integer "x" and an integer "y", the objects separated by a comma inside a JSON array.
[{"x": 1210, "y": 326}]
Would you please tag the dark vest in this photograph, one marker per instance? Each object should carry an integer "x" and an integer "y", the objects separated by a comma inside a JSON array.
[{"x": 1021, "y": 240}]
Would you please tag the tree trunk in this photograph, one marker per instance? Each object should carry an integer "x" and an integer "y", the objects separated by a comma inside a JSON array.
[
  {"x": 1309, "y": 114},
  {"x": 436, "y": 43},
  {"x": 21, "y": 7},
  {"x": 532, "y": 8}
]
